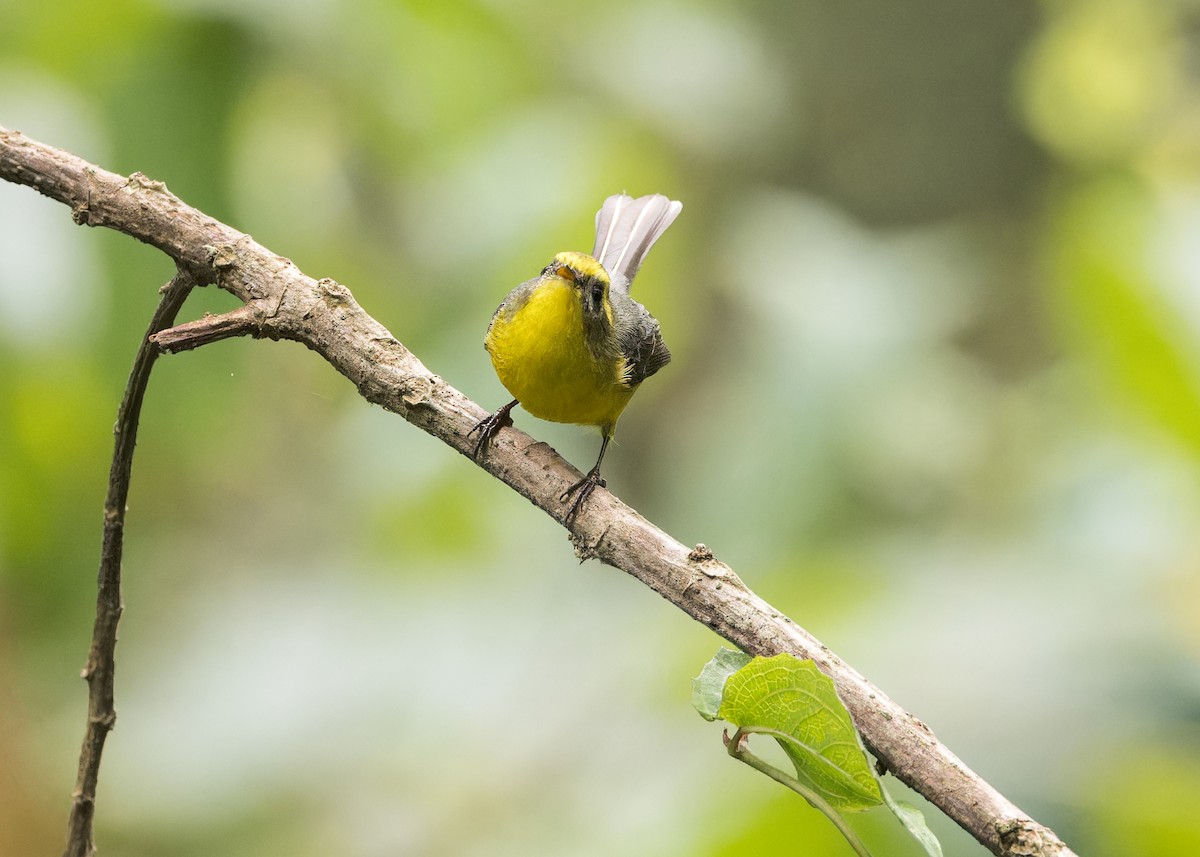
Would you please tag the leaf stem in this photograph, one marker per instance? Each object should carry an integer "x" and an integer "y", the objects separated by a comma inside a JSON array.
[{"x": 736, "y": 749}]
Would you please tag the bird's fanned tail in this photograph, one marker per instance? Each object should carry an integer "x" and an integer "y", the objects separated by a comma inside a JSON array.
[{"x": 626, "y": 229}]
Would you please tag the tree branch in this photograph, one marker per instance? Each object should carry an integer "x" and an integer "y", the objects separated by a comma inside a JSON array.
[
  {"x": 101, "y": 666},
  {"x": 284, "y": 303},
  {"x": 211, "y": 328}
]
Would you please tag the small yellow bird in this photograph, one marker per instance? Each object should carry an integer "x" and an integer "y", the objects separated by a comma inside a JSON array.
[{"x": 571, "y": 345}]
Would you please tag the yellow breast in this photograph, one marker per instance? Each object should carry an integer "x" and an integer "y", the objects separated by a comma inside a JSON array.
[{"x": 542, "y": 357}]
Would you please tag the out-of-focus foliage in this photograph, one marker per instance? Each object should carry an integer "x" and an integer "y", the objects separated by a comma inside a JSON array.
[{"x": 934, "y": 300}]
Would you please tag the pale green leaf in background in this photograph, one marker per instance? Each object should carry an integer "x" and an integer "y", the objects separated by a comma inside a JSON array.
[
  {"x": 914, "y": 821},
  {"x": 709, "y": 686}
]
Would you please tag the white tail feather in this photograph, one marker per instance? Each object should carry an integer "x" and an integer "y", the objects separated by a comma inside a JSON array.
[
  {"x": 626, "y": 229},
  {"x": 612, "y": 224}
]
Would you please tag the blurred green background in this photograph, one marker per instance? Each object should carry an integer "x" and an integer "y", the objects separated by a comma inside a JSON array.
[{"x": 934, "y": 300}]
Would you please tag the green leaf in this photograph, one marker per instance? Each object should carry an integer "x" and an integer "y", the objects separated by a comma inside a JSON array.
[
  {"x": 797, "y": 704},
  {"x": 709, "y": 686},
  {"x": 914, "y": 821}
]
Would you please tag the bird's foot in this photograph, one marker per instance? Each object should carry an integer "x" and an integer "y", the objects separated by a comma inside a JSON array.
[
  {"x": 489, "y": 426},
  {"x": 582, "y": 490}
]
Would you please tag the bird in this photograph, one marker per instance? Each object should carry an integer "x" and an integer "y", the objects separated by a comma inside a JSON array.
[{"x": 571, "y": 345}]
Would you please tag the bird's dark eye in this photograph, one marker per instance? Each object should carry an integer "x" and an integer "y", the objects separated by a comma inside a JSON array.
[{"x": 597, "y": 295}]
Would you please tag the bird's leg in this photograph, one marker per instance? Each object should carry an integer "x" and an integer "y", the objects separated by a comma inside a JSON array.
[
  {"x": 585, "y": 486},
  {"x": 490, "y": 425}
]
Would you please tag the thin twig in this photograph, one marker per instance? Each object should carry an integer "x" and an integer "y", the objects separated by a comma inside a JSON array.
[
  {"x": 204, "y": 331},
  {"x": 101, "y": 664},
  {"x": 324, "y": 316},
  {"x": 737, "y": 748}
]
